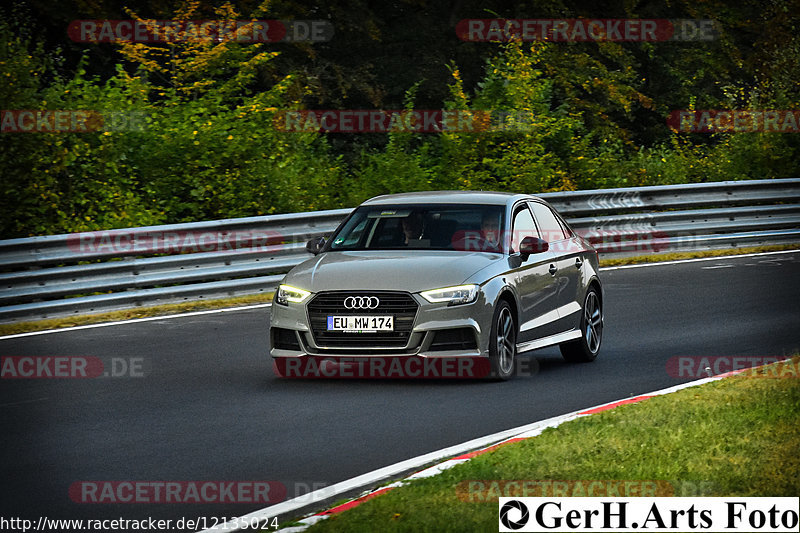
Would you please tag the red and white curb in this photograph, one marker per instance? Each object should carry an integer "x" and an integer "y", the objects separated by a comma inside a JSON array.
[{"x": 452, "y": 456}]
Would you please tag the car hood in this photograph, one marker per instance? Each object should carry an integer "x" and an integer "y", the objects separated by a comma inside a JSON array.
[{"x": 388, "y": 270}]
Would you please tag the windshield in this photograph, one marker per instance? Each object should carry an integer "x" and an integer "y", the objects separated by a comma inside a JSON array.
[{"x": 423, "y": 227}]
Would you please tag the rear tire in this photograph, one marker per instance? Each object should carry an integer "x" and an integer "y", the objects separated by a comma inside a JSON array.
[
  {"x": 585, "y": 349},
  {"x": 503, "y": 342}
]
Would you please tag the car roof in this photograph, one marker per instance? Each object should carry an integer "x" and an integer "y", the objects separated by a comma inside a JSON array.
[{"x": 449, "y": 197}]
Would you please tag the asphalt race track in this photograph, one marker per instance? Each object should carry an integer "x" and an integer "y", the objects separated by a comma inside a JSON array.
[{"x": 209, "y": 408}]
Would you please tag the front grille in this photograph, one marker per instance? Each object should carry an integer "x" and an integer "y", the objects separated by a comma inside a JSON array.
[{"x": 399, "y": 304}]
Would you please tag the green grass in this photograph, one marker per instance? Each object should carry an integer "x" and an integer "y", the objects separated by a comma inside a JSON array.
[
  {"x": 735, "y": 437},
  {"x": 677, "y": 256},
  {"x": 138, "y": 312}
]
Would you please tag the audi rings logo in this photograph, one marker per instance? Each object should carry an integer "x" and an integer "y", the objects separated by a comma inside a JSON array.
[
  {"x": 523, "y": 514},
  {"x": 361, "y": 302}
]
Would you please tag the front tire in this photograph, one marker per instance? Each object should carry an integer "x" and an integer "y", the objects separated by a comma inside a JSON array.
[
  {"x": 585, "y": 349},
  {"x": 503, "y": 342}
]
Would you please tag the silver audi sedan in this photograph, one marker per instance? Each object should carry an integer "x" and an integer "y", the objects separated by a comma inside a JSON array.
[{"x": 435, "y": 278}]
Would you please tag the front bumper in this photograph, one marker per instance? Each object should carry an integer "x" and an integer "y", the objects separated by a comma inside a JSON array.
[{"x": 437, "y": 331}]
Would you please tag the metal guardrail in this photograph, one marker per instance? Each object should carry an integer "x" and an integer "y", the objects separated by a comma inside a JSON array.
[{"x": 60, "y": 275}]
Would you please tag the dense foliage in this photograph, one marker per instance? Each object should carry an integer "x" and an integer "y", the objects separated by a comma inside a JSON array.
[{"x": 203, "y": 142}]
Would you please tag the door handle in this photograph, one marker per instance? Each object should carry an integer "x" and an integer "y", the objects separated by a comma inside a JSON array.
[
  {"x": 578, "y": 262},
  {"x": 553, "y": 270}
]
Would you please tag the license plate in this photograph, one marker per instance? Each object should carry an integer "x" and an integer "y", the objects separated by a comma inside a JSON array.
[{"x": 361, "y": 324}]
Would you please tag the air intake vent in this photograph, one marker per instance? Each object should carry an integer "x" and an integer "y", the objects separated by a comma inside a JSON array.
[
  {"x": 453, "y": 339},
  {"x": 284, "y": 339}
]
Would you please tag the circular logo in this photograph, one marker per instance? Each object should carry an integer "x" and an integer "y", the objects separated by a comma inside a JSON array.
[
  {"x": 361, "y": 302},
  {"x": 523, "y": 512}
]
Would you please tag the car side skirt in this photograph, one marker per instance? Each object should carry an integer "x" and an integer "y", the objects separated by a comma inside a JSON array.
[
  {"x": 558, "y": 338},
  {"x": 563, "y": 312}
]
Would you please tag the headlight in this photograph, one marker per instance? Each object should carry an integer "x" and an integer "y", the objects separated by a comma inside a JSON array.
[
  {"x": 463, "y": 294},
  {"x": 287, "y": 293}
]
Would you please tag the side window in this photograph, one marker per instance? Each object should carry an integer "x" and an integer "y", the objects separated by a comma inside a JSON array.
[
  {"x": 523, "y": 227},
  {"x": 549, "y": 227},
  {"x": 567, "y": 230}
]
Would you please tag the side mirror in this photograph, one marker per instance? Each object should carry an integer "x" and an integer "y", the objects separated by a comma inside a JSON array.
[
  {"x": 532, "y": 245},
  {"x": 315, "y": 245}
]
